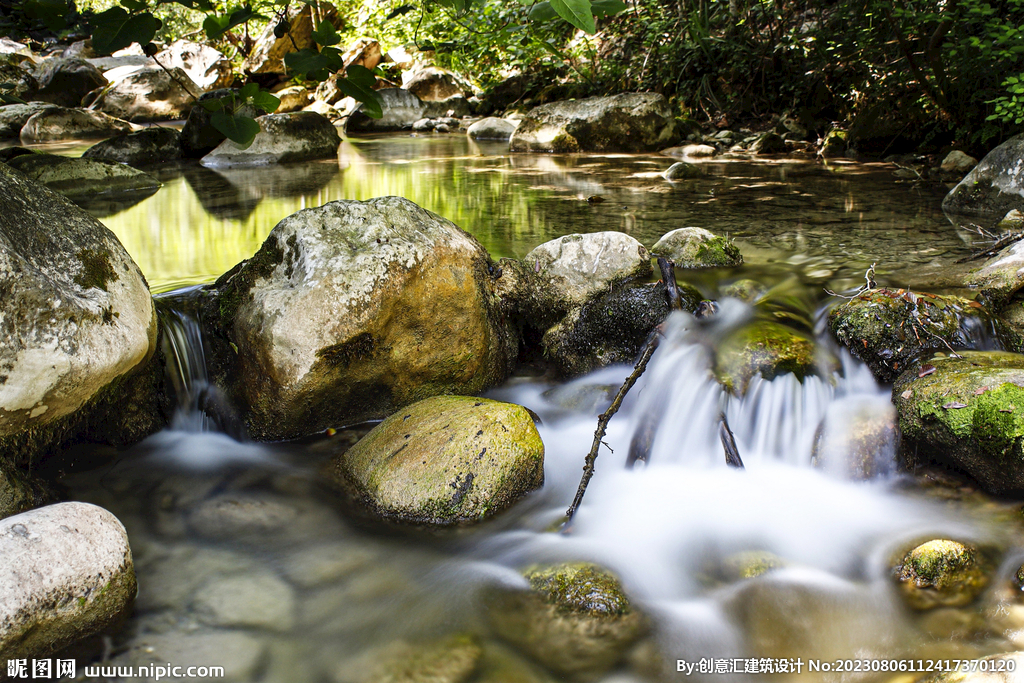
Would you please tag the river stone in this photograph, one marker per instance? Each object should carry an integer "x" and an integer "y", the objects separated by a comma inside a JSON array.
[
  {"x": 698, "y": 248},
  {"x": 575, "y": 619},
  {"x": 749, "y": 564},
  {"x": 834, "y": 145},
  {"x": 765, "y": 348},
  {"x": 857, "y": 438},
  {"x": 401, "y": 110},
  {"x": 148, "y": 146},
  {"x": 75, "y": 312},
  {"x": 629, "y": 122},
  {"x": 941, "y": 573},
  {"x": 888, "y": 328},
  {"x": 353, "y": 309},
  {"x": 491, "y": 128},
  {"x": 449, "y": 660},
  {"x": 267, "y": 55},
  {"x": 67, "y": 574},
  {"x": 446, "y": 460},
  {"x": 431, "y": 84},
  {"x": 283, "y": 138},
  {"x": 292, "y": 99},
  {"x": 691, "y": 151},
  {"x": 235, "y": 516},
  {"x": 958, "y": 162},
  {"x": 150, "y": 94},
  {"x": 14, "y": 116},
  {"x": 258, "y": 599},
  {"x": 454, "y": 107},
  {"x": 968, "y": 412},
  {"x": 66, "y": 81},
  {"x": 18, "y": 491},
  {"x": 83, "y": 178},
  {"x": 58, "y": 123},
  {"x": 207, "y": 67},
  {"x": 681, "y": 170},
  {"x": 1000, "y": 277},
  {"x": 25, "y": 84},
  {"x": 241, "y": 655},
  {"x": 994, "y": 186},
  {"x": 501, "y": 664}
]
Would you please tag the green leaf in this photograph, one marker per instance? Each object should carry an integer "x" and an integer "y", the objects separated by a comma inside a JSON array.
[
  {"x": 213, "y": 105},
  {"x": 116, "y": 29},
  {"x": 248, "y": 90},
  {"x": 360, "y": 75},
  {"x": 325, "y": 34},
  {"x": 607, "y": 8},
  {"x": 309, "y": 63},
  {"x": 266, "y": 101},
  {"x": 241, "y": 130},
  {"x": 371, "y": 102},
  {"x": 52, "y": 13},
  {"x": 543, "y": 11},
  {"x": 216, "y": 25}
]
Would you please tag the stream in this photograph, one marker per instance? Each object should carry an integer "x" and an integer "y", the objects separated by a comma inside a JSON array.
[{"x": 246, "y": 560}]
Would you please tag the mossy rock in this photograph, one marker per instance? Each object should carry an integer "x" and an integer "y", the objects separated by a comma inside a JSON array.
[
  {"x": 968, "y": 411},
  {"x": 698, "y": 248},
  {"x": 887, "y": 328},
  {"x": 941, "y": 573},
  {"x": 745, "y": 290},
  {"x": 750, "y": 564},
  {"x": 444, "y": 461},
  {"x": 682, "y": 170},
  {"x": 575, "y": 619},
  {"x": 766, "y": 348}
]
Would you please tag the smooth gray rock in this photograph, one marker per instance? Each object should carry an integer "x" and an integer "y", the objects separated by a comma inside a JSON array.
[
  {"x": 994, "y": 186},
  {"x": 283, "y": 138},
  {"x": 66, "y": 574},
  {"x": 1001, "y": 276},
  {"x": 242, "y": 655},
  {"x": 691, "y": 151},
  {"x": 143, "y": 147},
  {"x": 150, "y": 94},
  {"x": 630, "y": 122},
  {"x": 492, "y": 128},
  {"x": 83, "y": 178},
  {"x": 67, "y": 81},
  {"x": 58, "y": 123},
  {"x": 455, "y": 106},
  {"x": 401, "y": 110},
  {"x": 14, "y": 116}
]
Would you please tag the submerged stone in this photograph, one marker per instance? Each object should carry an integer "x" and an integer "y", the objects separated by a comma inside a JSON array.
[
  {"x": 750, "y": 564},
  {"x": 941, "y": 573},
  {"x": 768, "y": 349},
  {"x": 575, "y": 619},
  {"x": 967, "y": 411},
  {"x": 698, "y": 248},
  {"x": 447, "y": 460},
  {"x": 454, "y": 659},
  {"x": 857, "y": 439},
  {"x": 888, "y": 328}
]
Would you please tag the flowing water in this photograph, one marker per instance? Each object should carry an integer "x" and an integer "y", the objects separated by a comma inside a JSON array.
[{"x": 246, "y": 561}]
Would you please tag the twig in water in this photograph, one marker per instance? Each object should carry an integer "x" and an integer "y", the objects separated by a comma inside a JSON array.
[
  {"x": 999, "y": 244},
  {"x": 668, "y": 276},
  {"x": 869, "y": 283},
  {"x": 732, "y": 454}
]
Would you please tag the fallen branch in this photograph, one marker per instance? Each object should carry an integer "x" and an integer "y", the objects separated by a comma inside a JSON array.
[
  {"x": 732, "y": 454},
  {"x": 1000, "y": 244}
]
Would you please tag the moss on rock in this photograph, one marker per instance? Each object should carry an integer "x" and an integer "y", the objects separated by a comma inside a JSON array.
[
  {"x": 766, "y": 348},
  {"x": 941, "y": 573},
  {"x": 698, "y": 248}
]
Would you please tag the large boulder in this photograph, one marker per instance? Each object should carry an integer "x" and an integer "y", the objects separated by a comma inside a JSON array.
[
  {"x": 352, "y": 310},
  {"x": 444, "y": 461},
  {"x": 994, "y": 186},
  {"x": 888, "y": 328},
  {"x": 432, "y": 83},
  {"x": 150, "y": 94},
  {"x": 401, "y": 110},
  {"x": 267, "y": 56},
  {"x": 698, "y": 248},
  {"x": 67, "y": 574},
  {"x": 574, "y": 618},
  {"x": 283, "y": 138},
  {"x": 208, "y": 68},
  {"x": 14, "y": 116},
  {"x": 630, "y": 122},
  {"x": 59, "y": 123},
  {"x": 966, "y": 411},
  {"x": 67, "y": 81},
  {"x": 76, "y": 318},
  {"x": 82, "y": 179},
  {"x": 152, "y": 145}
]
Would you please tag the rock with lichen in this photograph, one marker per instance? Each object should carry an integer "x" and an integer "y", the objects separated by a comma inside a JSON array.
[
  {"x": 444, "y": 461},
  {"x": 941, "y": 573},
  {"x": 698, "y": 248},
  {"x": 887, "y": 328},
  {"x": 574, "y": 618},
  {"x": 994, "y": 186},
  {"x": 966, "y": 411},
  {"x": 768, "y": 349}
]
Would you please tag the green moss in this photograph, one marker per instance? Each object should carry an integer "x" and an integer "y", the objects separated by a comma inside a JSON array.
[
  {"x": 751, "y": 564},
  {"x": 581, "y": 588},
  {"x": 718, "y": 252},
  {"x": 942, "y": 573},
  {"x": 96, "y": 270},
  {"x": 766, "y": 348}
]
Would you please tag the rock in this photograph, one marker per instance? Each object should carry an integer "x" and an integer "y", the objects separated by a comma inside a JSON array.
[
  {"x": 67, "y": 574},
  {"x": 749, "y": 291},
  {"x": 292, "y": 99},
  {"x": 58, "y": 123},
  {"x": 14, "y": 116},
  {"x": 283, "y": 138},
  {"x": 958, "y": 162},
  {"x": 448, "y": 660},
  {"x": 79, "y": 48},
  {"x": 401, "y": 110},
  {"x": 501, "y": 664},
  {"x": 423, "y": 125},
  {"x": 241, "y": 655},
  {"x": 144, "y": 147},
  {"x": 205, "y": 66},
  {"x": 150, "y": 94},
  {"x": 681, "y": 170},
  {"x": 834, "y": 144},
  {"x": 8, "y": 46},
  {"x": 1013, "y": 220},
  {"x": 491, "y": 128},
  {"x": 968, "y": 412},
  {"x": 257, "y": 599},
  {"x": 58, "y": 358},
  {"x": 364, "y": 52},
  {"x": 691, "y": 151},
  {"x": 325, "y": 110},
  {"x": 444, "y": 461},
  {"x": 322, "y": 564},
  {"x": 857, "y": 438},
  {"x": 630, "y": 122},
  {"x": 198, "y": 137},
  {"x": 432, "y": 83},
  {"x": 1000, "y": 277},
  {"x": 765, "y": 348},
  {"x": 698, "y": 248},
  {"x": 442, "y": 128},
  {"x": 887, "y": 328},
  {"x": 25, "y": 84},
  {"x": 455, "y": 106},
  {"x": 66, "y": 81},
  {"x": 941, "y": 573},
  {"x": 1001, "y": 668},
  {"x": 235, "y": 516},
  {"x": 20, "y": 492},
  {"x": 994, "y": 186},
  {"x": 267, "y": 56},
  {"x": 575, "y": 619},
  {"x": 84, "y": 178},
  {"x": 769, "y": 143},
  {"x": 354, "y": 309}
]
